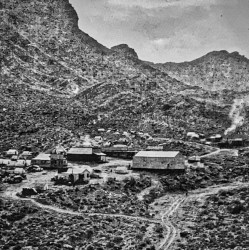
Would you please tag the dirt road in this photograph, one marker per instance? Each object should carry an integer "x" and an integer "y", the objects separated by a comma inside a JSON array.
[{"x": 199, "y": 194}]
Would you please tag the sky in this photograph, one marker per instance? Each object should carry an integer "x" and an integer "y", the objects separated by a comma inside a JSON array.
[{"x": 167, "y": 30}]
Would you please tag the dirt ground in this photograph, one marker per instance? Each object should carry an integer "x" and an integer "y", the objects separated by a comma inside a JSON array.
[
  {"x": 169, "y": 209},
  {"x": 44, "y": 178}
]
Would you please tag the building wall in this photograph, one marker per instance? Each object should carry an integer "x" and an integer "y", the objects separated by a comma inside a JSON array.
[
  {"x": 41, "y": 163},
  {"x": 158, "y": 163},
  {"x": 81, "y": 157}
]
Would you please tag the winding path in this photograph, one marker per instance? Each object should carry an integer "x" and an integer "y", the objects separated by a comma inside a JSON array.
[
  {"x": 171, "y": 230},
  {"x": 66, "y": 211}
]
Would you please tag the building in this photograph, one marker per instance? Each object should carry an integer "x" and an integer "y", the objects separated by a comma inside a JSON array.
[
  {"x": 154, "y": 148},
  {"x": 119, "y": 151},
  {"x": 85, "y": 154},
  {"x": 121, "y": 170},
  {"x": 57, "y": 157},
  {"x": 11, "y": 152},
  {"x": 26, "y": 155},
  {"x": 43, "y": 160},
  {"x": 158, "y": 160},
  {"x": 78, "y": 174},
  {"x": 194, "y": 162},
  {"x": 192, "y": 135},
  {"x": 16, "y": 163}
]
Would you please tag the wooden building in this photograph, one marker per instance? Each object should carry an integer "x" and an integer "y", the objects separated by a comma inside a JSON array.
[
  {"x": 119, "y": 151},
  {"x": 43, "y": 160},
  {"x": 58, "y": 157},
  {"x": 86, "y": 154},
  {"x": 158, "y": 160},
  {"x": 78, "y": 174}
]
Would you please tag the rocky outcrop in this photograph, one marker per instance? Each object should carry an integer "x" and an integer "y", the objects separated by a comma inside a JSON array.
[{"x": 125, "y": 50}]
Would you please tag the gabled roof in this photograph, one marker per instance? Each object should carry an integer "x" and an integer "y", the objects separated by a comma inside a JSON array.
[
  {"x": 81, "y": 151},
  {"x": 42, "y": 157},
  {"x": 79, "y": 169},
  {"x": 159, "y": 154}
]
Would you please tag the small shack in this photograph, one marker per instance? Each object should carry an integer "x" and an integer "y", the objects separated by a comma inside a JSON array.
[
  {"x": 78, "y": 174},
  {"x": 158, "y": 160},
  {"x": 26, "y": 155},
  {"x": 11, "y": 152},
  {"x": 16, "y": 163},
  {"x": 43, "y": 160}
]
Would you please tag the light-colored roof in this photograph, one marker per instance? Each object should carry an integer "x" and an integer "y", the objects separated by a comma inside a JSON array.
[
  {"x": 83, "y": 151},
  {"x": 12, "y": 151},
  {"x": 79, "y": 169},
  {"x": 159, "y": 154},
  {"x": 100, "y": 154},
  {"x": 26, "y": 153},
  {"x": 119, "y": 145},
  {"x": 155, "y": 148},
  {"x": 42, "y": 157},
  {"x": 121, "y": 168},
  {"x": 19, "y": 170},
  {"x": 18, "y": 163}
]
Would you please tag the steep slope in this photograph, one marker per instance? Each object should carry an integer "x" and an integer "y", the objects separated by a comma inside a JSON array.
[
  {"x": 215, "y": 71},
  {"x": 57, "y": 83},
  {"x": 44, "y": 48}
]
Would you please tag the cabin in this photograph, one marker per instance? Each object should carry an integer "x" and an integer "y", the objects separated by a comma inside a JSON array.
[
  {"x": 26, "y": 155},
  {"x": 11, "y": 152},
  {"x": 158, "y": 160},
  {"x": 43, "y": 160},
  {"x": 78, "y": 174}
]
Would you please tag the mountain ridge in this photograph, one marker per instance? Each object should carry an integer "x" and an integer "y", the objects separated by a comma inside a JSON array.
[{"x": 217, "y": 70}]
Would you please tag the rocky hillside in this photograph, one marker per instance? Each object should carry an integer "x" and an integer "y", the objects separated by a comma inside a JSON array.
[
  {"x": 60, "y": 82},
  {"x": 42, "y": 47},
  {"x": 218, "y": 70}
]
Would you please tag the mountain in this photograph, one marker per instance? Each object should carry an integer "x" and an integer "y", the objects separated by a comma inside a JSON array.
[
  {"x": 217, "y": 70},
  {"x": 58, "y": 83},
  {"x": 125, "y": 51}
]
